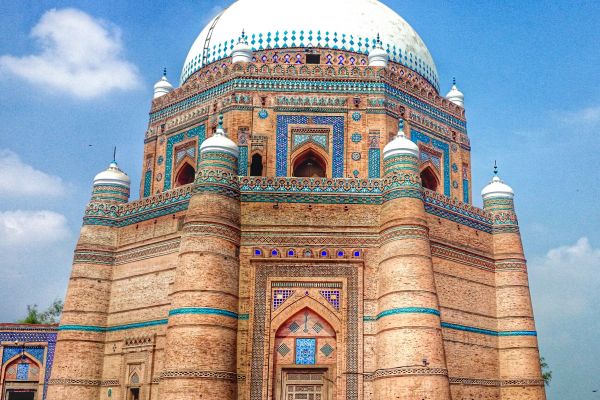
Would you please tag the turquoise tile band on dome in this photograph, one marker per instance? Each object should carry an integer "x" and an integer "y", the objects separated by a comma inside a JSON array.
[{"x": 347, "y": 42}]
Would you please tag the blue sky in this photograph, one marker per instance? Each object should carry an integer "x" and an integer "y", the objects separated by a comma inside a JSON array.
[{"x": 529, "y": 71}]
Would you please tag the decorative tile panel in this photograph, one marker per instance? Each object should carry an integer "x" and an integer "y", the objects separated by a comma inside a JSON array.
[
  {"x": 283, "y": 349},
  {"x": 22, "y": 371},
  {"x": 332, "y": 296},
  {"x": 374, "y": 163},
  {"x": 293, "y": 327},
  {"x": 327, "y": 349},
  {"x": 147, "y": 183},
  {"x": 281, "y": 295},
  {"x": 305, "y": 351},
  {"x": 198, "y": 132},
  {"x": 417, "y": 137},
  {"x": 282, "y": 146}
]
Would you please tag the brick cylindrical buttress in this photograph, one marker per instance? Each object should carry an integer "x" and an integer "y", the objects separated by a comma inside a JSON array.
[{"x": 411, "y": 364}]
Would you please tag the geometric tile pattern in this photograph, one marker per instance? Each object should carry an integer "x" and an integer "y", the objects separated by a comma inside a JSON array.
[
  {"x": 333, "y": 297},
  {"x": 22, "y": 372},
  {"x": 282, "y": 146},
  {"x": 317, "y": 327},
  {"x": 281, "y": 295},
  {"x": 283, "y": 349},
  {"x": 23, "y": 335},
  {"x": 308, "y": 38},
  {"x": 198, "y": 132},
  {"x": 417, "y": 136},
  {"x": 374, "y": 163},
  {"x": 327, "y": 349},
  {"x": 294, "y": 327},
  {"x": 305, "y": 351}
]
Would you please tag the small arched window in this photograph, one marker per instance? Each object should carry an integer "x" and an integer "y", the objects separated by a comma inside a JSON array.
[
  {"x": 256, "y": 167},
  {"x": 429, "y": 180},
  {"x": 310, "y": 166},
  {"x": 185, "y": 175}
]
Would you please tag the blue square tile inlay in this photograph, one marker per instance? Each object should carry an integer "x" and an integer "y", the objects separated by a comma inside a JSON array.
[{"x": 305, "y": 351}]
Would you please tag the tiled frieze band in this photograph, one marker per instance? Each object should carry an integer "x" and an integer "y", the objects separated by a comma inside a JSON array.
[
  {"x": 203, "y": 311},
  {"x": 227, "y": 232},
  {"x": 461, "y": 256},
  {"x": 496, "y": 382},
  {"x": 221, "y": 375},
  {"x": 312, "y": 86},
  {"x": 403, "y": 310},
  {"x": 290, "y": 190},
  {"x": 405, "y": 371}
]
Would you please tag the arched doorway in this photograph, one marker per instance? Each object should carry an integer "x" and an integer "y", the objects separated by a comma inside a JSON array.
[
  {"x": 256, "y": 166},
  {"x": 185, "y": 175},
  {"x": 21, "y": 378},
  {"x": 310, "y": 165},
  {"x": 429, "y": 179},
  {"x": 305, "y": 358}
]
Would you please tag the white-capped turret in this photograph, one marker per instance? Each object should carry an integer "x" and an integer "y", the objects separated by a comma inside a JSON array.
[
  {"x": 400, "y": 145},
  {"x": 455, "y": 95},
  {"x": 497, "y": 188},
  {"x": 242, "y": 51},
  {"x": 163, "y": 86},
  {"x": 378, "y": 57},
  {"x": 112, "y": 176},
  {"x": 220, "y": 142}
]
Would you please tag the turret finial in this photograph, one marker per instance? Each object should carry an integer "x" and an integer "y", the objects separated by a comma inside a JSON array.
[
  {"x": 165, "y": 72},
  {"x": 401, "y": 127},
  {"x": 220, "y": 121},
  {"x": 115, "y": 154},
  {"x": 454, "y": 80},
  {"x": 495, "y": 168}
]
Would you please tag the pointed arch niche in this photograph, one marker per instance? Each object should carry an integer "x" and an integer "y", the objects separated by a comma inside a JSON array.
[
  {"x": 24, "y": 373},
  {"x": 305, "y": 350},
  {"x": 429, "y": 178},
  {"x": 185, "y": 174},
  {"x": 310, "y": 162}
]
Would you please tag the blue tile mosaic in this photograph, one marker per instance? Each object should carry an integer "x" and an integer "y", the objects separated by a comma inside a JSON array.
[
  {"x": 417, "y": 137},
  {"x": 356, "y": 116},
  {"x": 198, "y": 132},
  {"x": 356, "y": 137},
  {"x": 22, "y": 372},
  {"x": 282, "y": 146},
  {"x": 466, "y": 190},
  {"x": 243, "y": 161},
  {"x": 305, "y": 351},
  {"x": 263, "y": 114},
  {"x": 374, "y": 163},
  {"x": 147, "y": 183},
  {"x": 304, "y": 38}
]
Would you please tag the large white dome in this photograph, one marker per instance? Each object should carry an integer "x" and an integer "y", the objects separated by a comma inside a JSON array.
[{"x": 350, "y": 25}]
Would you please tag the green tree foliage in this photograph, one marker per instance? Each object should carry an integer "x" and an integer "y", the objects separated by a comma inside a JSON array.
[
  {"x": 546, "y": 373},
  {"x": 50, "y": 316}
]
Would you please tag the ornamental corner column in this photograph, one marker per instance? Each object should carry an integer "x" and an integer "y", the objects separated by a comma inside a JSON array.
[
  {"x": 411, "y": 362},
  {"x": 518, "y": 355},
  {"x": 79, "y": 355},
  {"x": 200, "y": 351}
]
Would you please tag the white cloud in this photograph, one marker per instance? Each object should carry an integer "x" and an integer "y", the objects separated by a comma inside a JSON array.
[
  {"x": 80, "y": 55},
  {"x": 588, "y": 116},
  {"x": 18, "y": 179},
  {"x": 31, "y": 229},
  {"x": 565, "y": 281}
]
